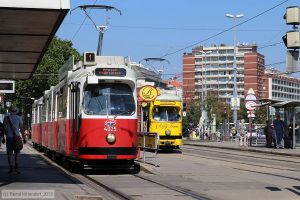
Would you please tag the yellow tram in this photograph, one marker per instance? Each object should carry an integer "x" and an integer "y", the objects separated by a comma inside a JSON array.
[{"x": 164, "y": 116}]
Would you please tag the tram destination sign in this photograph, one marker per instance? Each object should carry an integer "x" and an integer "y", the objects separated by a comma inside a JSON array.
[{"x": 110, "y": 72}]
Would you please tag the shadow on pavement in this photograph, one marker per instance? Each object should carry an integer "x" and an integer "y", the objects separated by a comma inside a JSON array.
[{"x": 33, "y": 170}]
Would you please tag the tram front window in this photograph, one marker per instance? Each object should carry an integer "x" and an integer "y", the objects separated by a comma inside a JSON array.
[
  {"x": 107, "y": 98},
  {"x": 166, "y": 114}
]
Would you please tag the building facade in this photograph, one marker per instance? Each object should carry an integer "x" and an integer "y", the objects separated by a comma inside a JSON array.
[
  {"x": 212, "y": 69},
  {"x": 281, "y": 86}
]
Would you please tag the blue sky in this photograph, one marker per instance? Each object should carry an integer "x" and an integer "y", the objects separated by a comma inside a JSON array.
[{"x": 158, "y": 27}]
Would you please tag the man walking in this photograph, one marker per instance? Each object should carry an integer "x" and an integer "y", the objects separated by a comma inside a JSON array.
[{"x": 13, "y": 124}]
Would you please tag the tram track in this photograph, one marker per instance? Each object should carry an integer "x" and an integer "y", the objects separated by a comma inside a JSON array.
[
  {"x": 257, "y": 155},
  {"x": 245, "y": 159},
  {"x": 257, "y": 171},
  {"x": 103, "y": 192},
  {"x": 108, "y": 191},
  {"x": 173, "y": 190},
  {"x": 181, "y": 190}
]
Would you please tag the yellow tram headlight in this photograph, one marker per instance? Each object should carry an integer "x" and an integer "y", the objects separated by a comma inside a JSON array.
[
  {"x": 111, "y": 138},
  {"x": 168, "y": 132}
]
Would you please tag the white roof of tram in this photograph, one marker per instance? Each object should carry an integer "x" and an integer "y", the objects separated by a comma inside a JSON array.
[{"x": 26, "y": 30}]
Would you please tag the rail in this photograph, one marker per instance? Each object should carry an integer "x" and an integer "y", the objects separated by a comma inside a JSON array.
[{"x": 148, "y": 141}]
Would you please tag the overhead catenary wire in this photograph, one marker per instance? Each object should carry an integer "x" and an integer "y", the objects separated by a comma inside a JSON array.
[
  {"x": 175, "y": 28},
  {"x": 224, "y": 31}
]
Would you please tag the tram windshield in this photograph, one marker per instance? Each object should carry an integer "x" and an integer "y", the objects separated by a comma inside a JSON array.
[
  {"x": 166, "y": 114},
  {"x": 108, "y": 99}
]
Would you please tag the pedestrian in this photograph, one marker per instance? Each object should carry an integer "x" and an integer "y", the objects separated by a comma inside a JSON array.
[
  {"x": 243, "y": 135},
  {"x": 13, "y": 125},
  {"x": 289, "y": 140},
  {"x": 280, "y": 129},
  {"x": 274, "y": 138},
  {"x": 2, "y": 139},
  {"x": 268, "y": 133},
  {"x": 233, "y": 133}
]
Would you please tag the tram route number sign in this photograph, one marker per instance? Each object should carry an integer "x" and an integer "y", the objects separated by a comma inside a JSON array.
[{"x": 120, "y": 72}]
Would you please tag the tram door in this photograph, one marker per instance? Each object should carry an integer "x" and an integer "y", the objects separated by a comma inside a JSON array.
[
  {"x": 145, "y": 117},
  {"x": 74, "y": 116},
  {"x": 40, "y": 138}
]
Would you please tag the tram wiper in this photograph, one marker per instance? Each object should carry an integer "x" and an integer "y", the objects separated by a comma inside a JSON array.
[{"x": 124, "y": 112}]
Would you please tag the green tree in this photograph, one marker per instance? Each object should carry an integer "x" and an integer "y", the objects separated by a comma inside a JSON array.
[
  {"x": 242, "y": 113},
  {"x": 193, "y": 114},
  {"x": 260, "y": 115},
  {"x": 213, "y": 105}
]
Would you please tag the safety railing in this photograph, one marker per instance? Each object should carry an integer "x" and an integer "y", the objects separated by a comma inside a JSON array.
[{"x": 147, "y": 142}]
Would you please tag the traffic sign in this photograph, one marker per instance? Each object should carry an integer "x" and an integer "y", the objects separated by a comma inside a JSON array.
[
  {"x": 250, "y": 105},
  {"x": 250, "y": 91},
  {"x": 250, "y": 97},
  {"x": 235, "y": 103}
]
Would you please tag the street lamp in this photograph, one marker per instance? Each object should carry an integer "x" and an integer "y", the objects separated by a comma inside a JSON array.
[
  {"x": 204, "y": 94},
  {"x": 235, "y": 94}
]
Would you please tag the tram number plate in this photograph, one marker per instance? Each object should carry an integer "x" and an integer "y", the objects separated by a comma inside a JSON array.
[{"x": 111, "y": 157}]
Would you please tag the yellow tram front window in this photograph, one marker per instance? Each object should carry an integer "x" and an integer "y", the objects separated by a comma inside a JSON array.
[{"x": 165, "y": 114}]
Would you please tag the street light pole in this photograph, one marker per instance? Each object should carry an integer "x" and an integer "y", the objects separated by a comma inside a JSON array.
[
  {"x": 204, "y": 94},
  {"x": 235, "y": 93}
]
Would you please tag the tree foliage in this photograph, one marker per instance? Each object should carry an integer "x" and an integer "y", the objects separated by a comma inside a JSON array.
[
  {"x": 193, "y": 114},
  {"x": 213, "y": 106}
]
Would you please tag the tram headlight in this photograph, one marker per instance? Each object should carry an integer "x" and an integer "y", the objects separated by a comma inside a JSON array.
[
  {"x": 111, "y": 138},
  {"x": 168, "y": 132}
]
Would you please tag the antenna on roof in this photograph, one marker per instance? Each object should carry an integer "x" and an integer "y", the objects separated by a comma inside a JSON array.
[{"x": 100, "y": 28}]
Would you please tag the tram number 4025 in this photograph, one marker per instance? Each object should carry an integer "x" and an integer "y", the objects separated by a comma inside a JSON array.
[{"x": 110, "y": 129}]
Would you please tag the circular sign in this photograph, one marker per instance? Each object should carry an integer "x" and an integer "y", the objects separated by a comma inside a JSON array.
[
  {"x": 250, "y": 105},
  {"x": 148, "y": 93}
]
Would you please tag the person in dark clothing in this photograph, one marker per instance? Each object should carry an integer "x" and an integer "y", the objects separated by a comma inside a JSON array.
[
  {"x": 280, "y": 128},
  {"x": 290, "y": 135},
  {"x": 2, "y": 140},
  {"x": 268, "y": 132},
  {"x": 13, "y": 125}
]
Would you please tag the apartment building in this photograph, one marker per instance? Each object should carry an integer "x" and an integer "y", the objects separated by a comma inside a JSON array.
[{"x": 211, "y": 69}]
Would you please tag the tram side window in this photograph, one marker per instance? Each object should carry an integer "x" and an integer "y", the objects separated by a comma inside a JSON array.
[
  {"x": 44, "y": 113},
  {"x": 49, "y": 109},
  {"x": 62, "y": 103},
  {"x": 33, "y": 116}
]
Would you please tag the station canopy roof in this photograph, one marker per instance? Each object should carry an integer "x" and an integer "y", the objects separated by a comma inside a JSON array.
[
  {"x": 26, "y": 30},
  {"x": 278, "y": 103}
]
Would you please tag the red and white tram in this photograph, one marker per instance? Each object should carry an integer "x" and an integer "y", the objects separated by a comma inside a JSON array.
[{"x": 91, "y": 115}]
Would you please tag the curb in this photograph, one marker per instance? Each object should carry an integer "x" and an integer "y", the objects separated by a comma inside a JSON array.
[
  {"x": 147, "y": 168},
  {"x": 244, "y": 149}
]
